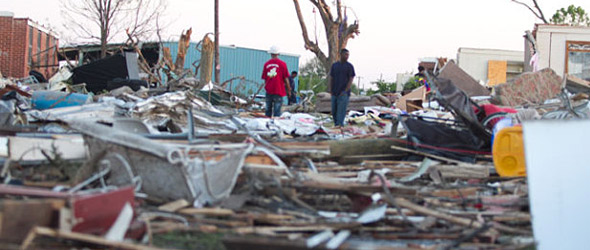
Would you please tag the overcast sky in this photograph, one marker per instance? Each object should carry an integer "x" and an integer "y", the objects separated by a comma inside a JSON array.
[{"x": 395, "y": 34}]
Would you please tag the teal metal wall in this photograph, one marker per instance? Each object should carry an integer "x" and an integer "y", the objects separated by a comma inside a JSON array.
[{"x": 237, "y": 61}]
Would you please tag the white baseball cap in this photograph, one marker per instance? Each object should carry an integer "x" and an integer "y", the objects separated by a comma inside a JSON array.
[{"x": 274, "y": 50}]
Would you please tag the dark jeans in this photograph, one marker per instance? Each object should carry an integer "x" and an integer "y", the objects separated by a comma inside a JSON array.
[
  {"x": 273, "y": 105},
  {"x": 292, "y": 98},
  {"x": 339, "y": 105}
]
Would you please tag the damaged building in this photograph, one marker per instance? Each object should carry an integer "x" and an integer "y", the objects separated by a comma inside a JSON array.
[
  {"x": 25, "y": 46},
  {"x": 240, "y": 72}
]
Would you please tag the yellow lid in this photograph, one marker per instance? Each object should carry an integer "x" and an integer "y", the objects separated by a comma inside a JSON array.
[{"x": 508, "y": 152}]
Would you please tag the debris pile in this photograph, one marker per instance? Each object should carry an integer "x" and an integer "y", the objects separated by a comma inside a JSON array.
[{"x": 138, "y": 168}]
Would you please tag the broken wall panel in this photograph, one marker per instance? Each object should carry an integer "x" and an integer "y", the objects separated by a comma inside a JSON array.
[
  {"x": 38, "y": 149},
  {"x": 462, "y": 80},
  {"x": 418, "y": 93}
]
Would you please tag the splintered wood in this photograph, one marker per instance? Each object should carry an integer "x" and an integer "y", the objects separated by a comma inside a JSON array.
[
  {"x": 343, "y": 197},
  {"x": 464, "y": 207}
]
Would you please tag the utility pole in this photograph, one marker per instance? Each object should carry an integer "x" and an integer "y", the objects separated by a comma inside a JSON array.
[{"x": 217, "y": 66}]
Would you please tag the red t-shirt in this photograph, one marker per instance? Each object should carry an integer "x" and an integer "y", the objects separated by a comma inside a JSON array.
[{"x": 274, "y": 73}]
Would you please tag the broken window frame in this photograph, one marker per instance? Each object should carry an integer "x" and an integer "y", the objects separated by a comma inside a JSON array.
[{"x": 582, "y": 47}]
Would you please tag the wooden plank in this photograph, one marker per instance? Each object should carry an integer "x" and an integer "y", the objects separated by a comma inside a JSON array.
[
  {"x": 267, "y": 169},
  {"x": 496, "y": 72},
  {"x": 413, "y": 105},
  {"x": 207, "y": 211},
  {"x": 458, "y": 192},
  {"x": 283, "y": 229},
  {"x": 456, "y": 219},
  {"x": 259, "y": 159},
  {"x": 461, "y": 170},
  {"x": 174, "y": 206},
  {"x": 349, "y": 187},
  {"x": 440, "y": 215},
  {"x": 577, "y": 85},
  {"x": 464, "y": 171},
  {"x": 418, "y": 93},
  {"x": 360, "y": 158},
  {"x": 512, "y": 218},
  {"x": 380, "y": 163},
  {"x": 345, "y": 150},
  {"x": 19, "y": 217},
  {"x": 436, "y": 157},
  {"x": 321, "y": 145}
]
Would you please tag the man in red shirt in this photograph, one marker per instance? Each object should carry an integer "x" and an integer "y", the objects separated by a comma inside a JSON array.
[{"x": 276, "y": 79}]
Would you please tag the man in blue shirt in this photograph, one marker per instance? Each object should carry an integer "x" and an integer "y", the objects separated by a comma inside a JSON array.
[{"x": 339, "y": 83}]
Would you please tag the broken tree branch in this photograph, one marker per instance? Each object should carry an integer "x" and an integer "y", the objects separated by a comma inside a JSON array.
[{"x": 538, "y": 15}]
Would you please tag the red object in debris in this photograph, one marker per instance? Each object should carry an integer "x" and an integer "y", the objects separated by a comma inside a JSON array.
[
  {"x": 491, "y": 109},
  {"x": 137, "y": 230},
  {"x": 359, "y": 202},
  {"x": 95, "y": 213},
  {"x": 92, "y": 213}
]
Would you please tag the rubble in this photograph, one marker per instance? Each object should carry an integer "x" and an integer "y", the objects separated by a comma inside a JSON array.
[{"x": 134, "y": 168}]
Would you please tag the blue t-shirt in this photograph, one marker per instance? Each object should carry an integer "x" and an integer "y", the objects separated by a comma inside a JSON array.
[{"x": 341, "y": 74}]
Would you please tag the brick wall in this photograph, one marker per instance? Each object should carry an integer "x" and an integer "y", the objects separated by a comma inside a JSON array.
[
  {"x": 14, "y": 48},
  {"x": 18, "y": 55},
  {"x": 5, "y": 44}
]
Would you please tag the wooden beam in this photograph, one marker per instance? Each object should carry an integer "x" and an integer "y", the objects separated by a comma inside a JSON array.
[
  {"x": 174, "y": 206},
  {"x": 207, "y": 211},
  {"x": 436, "y": 157}
]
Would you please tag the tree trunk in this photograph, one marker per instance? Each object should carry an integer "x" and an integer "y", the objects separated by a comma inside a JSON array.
[
  {"x": 103, "y": 39},
  {"x": 206, "y": 63},
  {"x": 183, "y": 44},
  {"x": 103, "y": 47},
  {"x": 337, "y": 31}
]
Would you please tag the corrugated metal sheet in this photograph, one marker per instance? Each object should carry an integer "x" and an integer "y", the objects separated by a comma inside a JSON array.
[{"x": 237, "y": 61}]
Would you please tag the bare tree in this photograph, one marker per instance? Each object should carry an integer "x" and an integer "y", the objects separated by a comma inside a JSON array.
[
  {"x": 338, "y": 31},
  {"x": 536, "y": 11},
  {"x": 103, "y": 20}
]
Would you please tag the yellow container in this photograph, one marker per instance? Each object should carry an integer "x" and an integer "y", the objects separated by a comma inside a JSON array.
[{"x": 508, "y": 152}]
